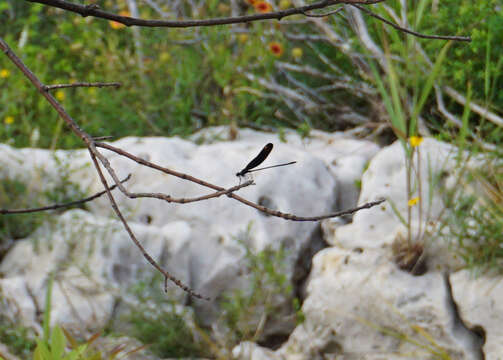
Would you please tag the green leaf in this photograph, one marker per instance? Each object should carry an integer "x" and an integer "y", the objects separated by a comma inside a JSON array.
[
  {"x": 47, "y": 310},
  {"x": 76, "y": 353},
  {"x": 43, "y": 351},
  {"x": 58, "y": 342},
  {"x": 431, "y": 79}
]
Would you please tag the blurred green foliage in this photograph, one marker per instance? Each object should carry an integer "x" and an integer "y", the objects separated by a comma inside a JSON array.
[
  {"x": 22, "y": 194},
  {"x": 191, "y": 78},
  {"x": 156, "y": 322},
  {"x": 181, "y": 85},
  {"x": 19, "y": 339}
]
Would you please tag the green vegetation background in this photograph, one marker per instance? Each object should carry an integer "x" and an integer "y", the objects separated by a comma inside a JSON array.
[{"x": 187, "y": 76}]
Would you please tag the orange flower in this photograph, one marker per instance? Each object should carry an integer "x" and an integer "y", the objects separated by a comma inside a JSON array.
[
  {"x": 262, "y": 7},
  {"x": 276, "y": 48},
  {"x": 117, "y": 25},
  {"x": 251, "y": 2}
]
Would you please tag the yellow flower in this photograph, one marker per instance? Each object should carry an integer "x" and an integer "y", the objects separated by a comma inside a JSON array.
[
  {"x": 242, "y": 38},
  {"x": 297, "y": 53},
  {"x": 285, "y": 4},
  {"x": 60, "y": 95},
  {"x": 8, "y": 120},
  {"x": 413, "y": 201},
  {"x": 276, "y": 49},
  {"x": 4, "y": 73},
  {"x": 165, "y": 56},
  {"x": 117, "y": 25},
  {"x": 415, "y": 141}
]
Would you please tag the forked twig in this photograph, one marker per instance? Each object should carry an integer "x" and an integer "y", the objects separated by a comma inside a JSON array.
[
  {"x": 232, "y": 195},
  {"x": 113, "y": 203},
  {"x": 59, "y": 206}
]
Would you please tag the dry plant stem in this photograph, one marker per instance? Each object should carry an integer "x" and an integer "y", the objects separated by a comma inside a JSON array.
[
  {"x": 133, "y": 237},
  {"x": 93, "y": 10},
  {"x": 439, "y": 37},
  {"x": 408, "y": 179},
  {"x": 483, "y": 112},
  {"x": 82, "y": 84},
  {"x": 232, "y": 195},
  {"x": 59, "y": 206}
]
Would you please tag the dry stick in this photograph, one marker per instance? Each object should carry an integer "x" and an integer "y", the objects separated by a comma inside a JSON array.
[
  {"x": 93, "y": 10},
  {"x": 133, "y": 237},
  {"x": 232, "y": 195},
  {"x": 189, "y": 200},
  {"x": 101, "y": 138},
  {"x": 323, "y": 15},
  {"x": 442, "y": 37},
  {"x": 87, "y": 139},
  {"x": 58, "y": 206},
  {"x": 221, "y": 191},
  {"x": 82, "y": 84}
]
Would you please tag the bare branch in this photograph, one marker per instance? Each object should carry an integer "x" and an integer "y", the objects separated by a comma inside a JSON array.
[
  {"x": 170, "y": 199},
  {"x": 438, "y": 37},
  {"x": 93, "y": 10},
  {"x": 82, "y": 84},
  {"x": 232, "y": 195},
  {"x": 59, "y": 206},
  {"x": 133, "y": 237}
]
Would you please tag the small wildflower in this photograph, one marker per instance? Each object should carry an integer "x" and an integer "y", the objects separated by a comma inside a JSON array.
[
  {"x": 4, "y": 73},
  {"x": 117, "y": 25},
  {"x": 8, "y": 120},
  {"x": 165, "y": 56},
  {"x": 242, "y": 38},
  {"x": 276, "y": 48},
  {"x": 297, "y": 53},
  {"x": 60, "y": 95},
  {"x": 413, "y": 201},
  {"x": 415, "y": 141},
  {"x": 262, "y": 7},
  {"x": 285, "y": 4}
]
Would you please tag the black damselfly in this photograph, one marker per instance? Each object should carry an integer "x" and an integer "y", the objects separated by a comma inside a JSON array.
[{"x": 259, "y": 159}]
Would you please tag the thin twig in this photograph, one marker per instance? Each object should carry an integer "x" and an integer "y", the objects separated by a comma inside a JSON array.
[
  {"x": 170, "y": 199},
  {"x": 94, "y": 10},
  {"x": 232, "y": 195},
  {"x": 133, "y": 237},
  {"x": 398, "y": 27},
  {"x": 101, "y": 138},
  {"x": 82, "y": 84},
  {"x": 59, "y": 206}
]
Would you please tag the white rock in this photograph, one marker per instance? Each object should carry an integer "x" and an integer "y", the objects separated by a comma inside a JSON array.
[
  {"x": 94, "y": 257},
  {"x": 479, "y": 305},
  {"x": 386, "y": 178},
  {"x": 361, "y": 306}
]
